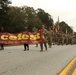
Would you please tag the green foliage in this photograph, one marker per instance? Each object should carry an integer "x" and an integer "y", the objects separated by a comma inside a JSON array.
[
  {"x": 4, "y": 7},
  {"x": 31, "y": 18},
  {"x": 65, "y": 26},
  {"x": 45, "y": 18},
  {"x": 14, "y": 19},
  {"x": 21, "y": 17}
]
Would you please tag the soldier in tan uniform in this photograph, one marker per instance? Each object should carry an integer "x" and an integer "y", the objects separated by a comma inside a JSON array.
[
  {"x": 2, "y": 45},
  {"x": 45, "y": 36},
  {"x": 62, "y": 39},
  {"x": 67, "y": 38},
  {"x": 57, "y": 38},
  {"x": 53, "y": 38},
  {"x": 50, "y": 37},
  {"x": 34, "y": 30},
  {"x": 70, "y": 38}
]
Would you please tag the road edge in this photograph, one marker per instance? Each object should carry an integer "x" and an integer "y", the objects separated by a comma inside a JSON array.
[{"x": 68, "y": 67}]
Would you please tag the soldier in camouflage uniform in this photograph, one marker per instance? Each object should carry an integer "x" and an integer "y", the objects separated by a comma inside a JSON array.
[
  {"x": 62, "y": 38},
  {"x": 26, "y": 45},
  {"x": 34, "y": 30},
  {"x": 73, "y": 38},
  {"x": 45, "y": 36},
  {"x": 57, "y": 38},
  {"x": 2, "y": 45},
  {"x": 50, "y": 37},
  {"x": 70, "y": 39},
  {"x": 53, "y": 38},
  {"x": 67, "y": 38}
]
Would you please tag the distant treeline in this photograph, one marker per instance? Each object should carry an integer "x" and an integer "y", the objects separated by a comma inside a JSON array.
[{"x": 13, "y": 19}]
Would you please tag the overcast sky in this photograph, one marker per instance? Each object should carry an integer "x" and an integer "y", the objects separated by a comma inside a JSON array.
[{"x": 65, "y": 9}]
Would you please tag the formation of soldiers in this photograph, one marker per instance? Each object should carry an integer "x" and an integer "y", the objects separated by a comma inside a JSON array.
[{"x": 57, "y": 38}]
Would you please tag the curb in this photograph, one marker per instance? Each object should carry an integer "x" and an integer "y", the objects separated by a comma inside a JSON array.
[{"x": 68, "y": 67}]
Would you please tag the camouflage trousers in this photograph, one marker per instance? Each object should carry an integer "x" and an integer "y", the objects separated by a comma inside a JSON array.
[{"x": 44, "y": 44}]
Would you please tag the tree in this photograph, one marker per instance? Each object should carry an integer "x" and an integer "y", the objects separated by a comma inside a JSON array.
[
  {"x": 16, "y": 17},
  {"x": 65, "y": 26},
  {"x": 31, "y": 17},
  {"x": 4, "y": 7},
  {"x": 22, "y": 16},
  {"x": 45, "y": 18}
]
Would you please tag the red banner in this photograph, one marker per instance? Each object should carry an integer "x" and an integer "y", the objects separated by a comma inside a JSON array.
[{"x": 21, "y": 38}]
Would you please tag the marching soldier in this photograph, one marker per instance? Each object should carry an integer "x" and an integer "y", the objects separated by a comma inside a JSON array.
[
  {"x": 45, "y": 36},
  {"x": 67, "y": 38},
  {"x": 57, "y": 38},
  {"x": 62, "y": 39},
  {"x": 70, "y": 39},
  {"x": 50, "y": 37},
  {"x": 53, "y": 38},
  {"x": 26, "y": 46},
  {"x": 34, "y": 30},
  {"x": 2, "y": 45}
]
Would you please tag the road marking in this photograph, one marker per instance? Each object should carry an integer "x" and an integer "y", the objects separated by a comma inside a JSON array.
[
  {"x": 68, "y": 67},
  {"x": 74, "y": 72}
]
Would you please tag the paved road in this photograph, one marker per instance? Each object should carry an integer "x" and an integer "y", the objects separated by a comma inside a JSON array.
[{"x": 15, "y": 61}]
